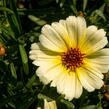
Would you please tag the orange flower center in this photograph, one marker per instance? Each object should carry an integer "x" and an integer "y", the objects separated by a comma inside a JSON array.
[{"x": 72, "y": 59}]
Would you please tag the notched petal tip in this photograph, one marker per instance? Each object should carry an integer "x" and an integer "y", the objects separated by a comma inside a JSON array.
[
  {"x": 45, "y": 27},
  {"x": 35, "y": 46},
  {"x": 71, "y": 17}
]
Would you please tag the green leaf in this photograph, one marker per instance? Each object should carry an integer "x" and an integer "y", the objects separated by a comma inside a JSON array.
[
  {"x": 6, "y": 9},
  {"x": 88, "y": 107},
  {"x": 31, "y": 81},
  {"x": 100, "y": 13},
  {"x": 24, "y": 59},
  {"x": 98, "y": 106},
  {"x": 26, "y": 101},
  {"x": 37, "y": 20},
  {"x": 84, "y": 4},
  {"x": 7, "y": 33},
  {"x": 41, "y": 96},
  {"x": 13, "y": 70},
  {"x": 62, "y": 3},
  {"x": 68, "y": 104},
  {"x": 57, "y": 1},
  {"x": 13, "y": 6},
  {"x": 96, "y": 15},
  {"x": 74, "y": 2},
  {"x": 102, "y": 7},
  {"x": 73, "y": 9},
  {"x": 13, "y": 24},
  {"x": 12, "y": 15}
]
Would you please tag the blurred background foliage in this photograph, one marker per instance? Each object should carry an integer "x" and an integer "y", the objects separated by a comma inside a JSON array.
[{"x": 20, "y": 26}]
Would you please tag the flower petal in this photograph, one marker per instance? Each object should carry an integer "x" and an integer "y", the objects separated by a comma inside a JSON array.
[
  {"x": 85, "y": 80},
  {"x": 98, "y": 81},
  {"x": 76, "y": 29},
  {"x": 93, "y": 37},
  {"x": 49, "y": 105},
  {"x": 49, "y": 72},
  {"x": 65, "y": 83},
  {"x": 104, "y": 53},
  {"x": 99, "y": 68},
  {"x": 42, "y": 56},
  {"x": 62, "y": 32},
  {"x": 51, "y": 40},
  {"x": 99, "y": 60},
  {"x": 78, "y": 87}
]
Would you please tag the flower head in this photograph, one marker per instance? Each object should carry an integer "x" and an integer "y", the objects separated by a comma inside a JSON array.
[{"x": 70, "y": 55}]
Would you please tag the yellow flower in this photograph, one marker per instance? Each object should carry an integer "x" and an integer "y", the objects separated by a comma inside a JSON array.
[
  {"x": 49, "y": 105},
  {"x": 71, "y": 57}
]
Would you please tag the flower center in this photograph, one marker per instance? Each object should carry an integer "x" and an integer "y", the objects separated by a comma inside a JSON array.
[{"x": 72, "y": 59}]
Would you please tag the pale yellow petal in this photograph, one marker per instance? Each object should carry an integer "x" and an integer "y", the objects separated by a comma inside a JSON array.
[
  {"x": 93, "y": 69},
  {"x": 95, "y": 40},
  {"x": 76, "y": 29},
  {"x": 89, "y": 32},
  {"x": 50, "y": 73},
  {"x": 89, "y": 80},
  {"x": 78, "y": 87},
  {"x": 98, "y": 81},
  {"x": 85, "y": 80},
  {"x": 99, "y": 60},
  {"x": 42, "y": 56},
  {"x": 103, "y": 53},
  {"x": 38, "y": 107},
  {"x": 62, "y": 32},
  {"x": 99, "y": 68},
  {"x": 65, "y": 83},
  {"x": 49, "y": 105},
  {"x": 51, "y": 40}
]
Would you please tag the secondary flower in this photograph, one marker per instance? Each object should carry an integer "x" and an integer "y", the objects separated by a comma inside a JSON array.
[
  {"x": 49, "y": 105},
  {"x": 71, "y": 56}
]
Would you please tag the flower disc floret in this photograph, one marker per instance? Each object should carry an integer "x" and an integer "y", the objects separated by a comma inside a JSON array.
[{"x": 73, "y": 58}]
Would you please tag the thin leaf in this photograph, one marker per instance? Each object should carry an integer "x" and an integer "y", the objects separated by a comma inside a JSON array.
[
  {"x": 24, "y": 59},
  {"x": 74, "y": 2},
  {"x": 57, "y": 1},
  {"x": 73, "y": 9},
  {"x": 102, "y": 7},
  {"x": 31, "y": 81},
  {"x": 37, "y": 20},
  {"x": 8, "y": 33},
  {"x": 100, "y": 13},
  {"x": 6, "y": 9},
  {"x": 84, "y": 4},
  {"x": 62, "y": 3},
  {"x": 68, "y": 104},
  {"x": 13, "y": 70},
  {"x": 13, "y": 6},
  {"x": 88, "y": 107},
  {"x": 41, "y": 96}
]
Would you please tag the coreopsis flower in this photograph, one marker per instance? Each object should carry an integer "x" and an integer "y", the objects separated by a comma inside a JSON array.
[
  {"x": 49, "y": 105},
  {"x": 71, "y": 56}
]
